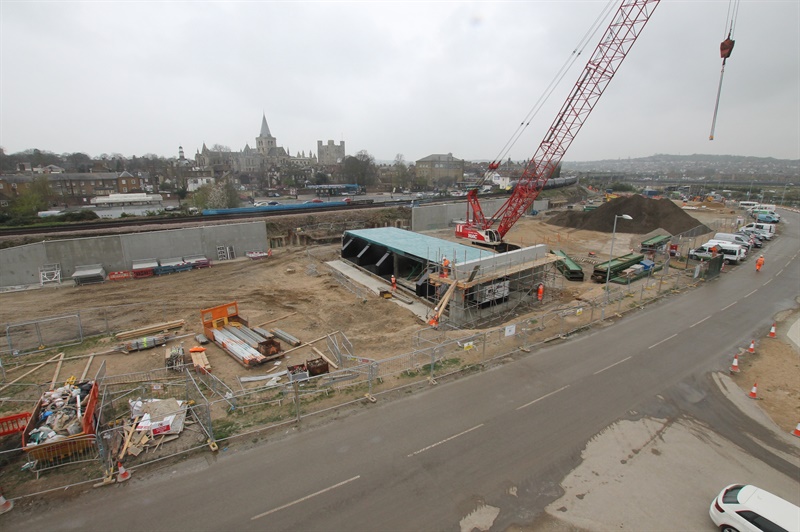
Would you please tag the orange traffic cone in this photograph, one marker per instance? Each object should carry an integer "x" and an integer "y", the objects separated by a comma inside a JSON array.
[
  {"x": 752, "y": 348},
  {"x": 123, "y": 474},
  {"x": 735, "y": 365},
  {"x": 754, "y": 391},
  {"x": 6, "y": 506},
  {"x": 772, "y": 331},
  {"x": 796, "y": 430}
]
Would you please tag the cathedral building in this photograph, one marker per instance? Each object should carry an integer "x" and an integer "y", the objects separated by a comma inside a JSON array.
[{"x": 265, "y": 155}]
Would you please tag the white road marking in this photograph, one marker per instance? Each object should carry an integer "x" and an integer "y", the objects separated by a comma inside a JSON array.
[
  {"x": 751, "y": 293},
  {"x": 779, "y": 272},
  {"x": 429, "y": 447},
  {"x": 729, "y": 306},
  {"x": 612, "y": 365},
  {"x": 765, "y": 284},
  {"x": 320, "y": 492},
  {"x": 543, "y": 397},
  {"x": 699, "y": 322},
  {"x": 662, "y": 341}
]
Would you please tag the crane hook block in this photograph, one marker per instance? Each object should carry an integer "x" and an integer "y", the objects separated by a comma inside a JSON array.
[{"x": 726, "y": 47}]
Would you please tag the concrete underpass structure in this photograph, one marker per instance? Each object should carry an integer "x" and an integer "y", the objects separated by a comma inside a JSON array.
[{"x": 487, "y": 283}]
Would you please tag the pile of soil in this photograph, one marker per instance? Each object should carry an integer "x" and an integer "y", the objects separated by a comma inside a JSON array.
[{"x": 648, "y": 215}]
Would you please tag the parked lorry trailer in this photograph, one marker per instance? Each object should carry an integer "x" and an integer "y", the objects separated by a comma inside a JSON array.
[{"x": 616, "y": 265}]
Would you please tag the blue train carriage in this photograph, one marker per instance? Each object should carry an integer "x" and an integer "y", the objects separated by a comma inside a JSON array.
[{"x": 274, "y": 208}]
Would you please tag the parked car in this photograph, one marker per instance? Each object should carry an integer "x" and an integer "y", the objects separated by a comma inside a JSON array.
[
  {"x": 743, "y": 507},
  {"x": 767, "y": 219},
  {"x": 758, "y": 233},
  {"x": 273, "y": 203},
  {"x": 315, "y": 200}
]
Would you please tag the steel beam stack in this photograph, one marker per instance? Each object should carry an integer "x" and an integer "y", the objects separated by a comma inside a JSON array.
[{"x": 237, "y": 348}]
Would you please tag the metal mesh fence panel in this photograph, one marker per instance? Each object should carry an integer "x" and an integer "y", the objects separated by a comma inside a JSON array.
[{"x": 39, "y": 335}]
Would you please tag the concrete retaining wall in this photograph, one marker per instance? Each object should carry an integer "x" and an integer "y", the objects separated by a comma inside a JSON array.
[
  {"x": 20, "y": 265},
  {"x": 496, "y": 264},
  {"x": 442, "y": 216}
]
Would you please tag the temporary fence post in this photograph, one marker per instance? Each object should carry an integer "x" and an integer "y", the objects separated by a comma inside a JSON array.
[
  {"x": 39, "y": 334},
  {"x": 296, "y": 388},
  {"x": 485, "y": 339},
  {"x": 370, "y": 375}
]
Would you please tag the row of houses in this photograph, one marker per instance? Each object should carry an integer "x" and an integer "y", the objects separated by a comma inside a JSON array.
[{"x": 67, "y": 187}]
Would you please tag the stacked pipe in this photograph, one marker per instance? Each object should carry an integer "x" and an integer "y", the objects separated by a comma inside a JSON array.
[
  {"x": 286, "y": 337},
  {"x": 237, "y": 348},
  {"x": 245, "y": 335},
  {"x": 263, "y": 332}
]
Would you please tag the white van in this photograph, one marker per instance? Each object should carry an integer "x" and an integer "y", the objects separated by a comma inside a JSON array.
[
  {"x": 755, "y": 212},
  {"x": 703, "y": 252},
  {"x": 770, "y": 228},
  {"x": 734, "y": 253},
  {"x": 733, "y": 238},
  {"x": 747, "y": 204}
]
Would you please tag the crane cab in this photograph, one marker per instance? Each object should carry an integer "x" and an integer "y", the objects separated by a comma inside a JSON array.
[{"x": 490, "y": 237}]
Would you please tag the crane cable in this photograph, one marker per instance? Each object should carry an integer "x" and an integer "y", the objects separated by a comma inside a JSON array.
[
  {"x": 576, "y": 52},
  {"x": 725, "y": 50}
]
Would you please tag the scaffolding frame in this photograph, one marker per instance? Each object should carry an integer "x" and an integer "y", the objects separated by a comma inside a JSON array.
[
  {"x": 49, "y": 273},
  {"x": 515, "y": 285}
]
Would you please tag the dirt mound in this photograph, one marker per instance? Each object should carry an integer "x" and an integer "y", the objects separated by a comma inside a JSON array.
[{"x": 648, "y": 215}]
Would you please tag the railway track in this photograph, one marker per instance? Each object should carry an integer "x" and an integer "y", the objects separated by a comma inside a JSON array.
[{"x": 153, "y": 224}]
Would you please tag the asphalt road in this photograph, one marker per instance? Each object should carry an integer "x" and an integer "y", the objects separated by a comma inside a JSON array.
[{"x": 505, "y": 436}]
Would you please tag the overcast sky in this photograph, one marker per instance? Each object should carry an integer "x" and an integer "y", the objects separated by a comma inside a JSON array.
[{"x": 411, "y": 78}]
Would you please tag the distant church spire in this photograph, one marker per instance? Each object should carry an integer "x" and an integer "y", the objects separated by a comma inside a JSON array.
[{"x": 264, "y": 127}]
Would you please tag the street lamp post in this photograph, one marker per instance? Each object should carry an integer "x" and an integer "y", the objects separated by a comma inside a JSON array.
[
  {"x": 784, "y": 191},
  {"x": 611, "y": 252}
]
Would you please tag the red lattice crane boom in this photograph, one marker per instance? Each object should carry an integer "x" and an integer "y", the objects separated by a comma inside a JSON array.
[{"x": 626, "y": 26}]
